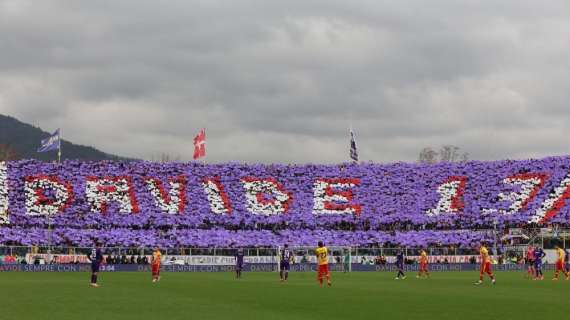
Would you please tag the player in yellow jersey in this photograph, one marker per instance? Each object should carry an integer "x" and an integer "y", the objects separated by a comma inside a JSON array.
[
  {"x": 560, "y": 263},
  {"x": 155, "y": 265},
  {"x": 323, "y": 262},
  {"x": 485, "y": 265},
  {"x": 423, "y": 265}
]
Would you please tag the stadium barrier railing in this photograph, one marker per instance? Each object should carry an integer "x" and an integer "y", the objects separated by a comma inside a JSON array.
[{"x": 225, "y": 256}]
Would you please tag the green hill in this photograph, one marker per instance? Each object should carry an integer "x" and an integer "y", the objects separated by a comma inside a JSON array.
[{"x": 20, "y": 140}]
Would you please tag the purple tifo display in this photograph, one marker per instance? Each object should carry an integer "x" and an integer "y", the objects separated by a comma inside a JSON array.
[{"x": 176, "y": 204}]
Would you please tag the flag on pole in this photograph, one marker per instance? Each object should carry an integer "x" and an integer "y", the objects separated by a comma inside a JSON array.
[
  {"x": 353, "y": 147},
  {"x": 200, "y": 144},
  {"x": 51, "y": 143}
]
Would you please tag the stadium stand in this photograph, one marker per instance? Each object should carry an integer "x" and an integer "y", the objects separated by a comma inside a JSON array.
[{"x": 194, "y": 205}]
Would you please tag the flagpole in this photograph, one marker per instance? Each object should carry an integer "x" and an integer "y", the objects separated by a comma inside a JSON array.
[
  {"x": 59, "y": 148},
  {"x": 50, "y": 229}
]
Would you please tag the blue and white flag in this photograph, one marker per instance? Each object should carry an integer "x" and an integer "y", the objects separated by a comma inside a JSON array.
[
  {"x": 353, "y": 148},
  {"x": 50, "y": 143}
]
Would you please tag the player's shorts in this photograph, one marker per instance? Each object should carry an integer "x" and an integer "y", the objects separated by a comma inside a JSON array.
[
  {"x": 423, "y": 267},
  {"x": 400, "y": 266},
  {"x": 538, "y": 264},
  {"x": 486, "y": 267},
  {"x": 155, "y": 269},
  {"x": 285, "y": 266},
  {"x": 239, "y": 266},
  {"x": 95, "y": 267},
  {"x": 530, "y": 263},
  {"x": 323, "y": 270},
  {"x": 560, "y": 265}
]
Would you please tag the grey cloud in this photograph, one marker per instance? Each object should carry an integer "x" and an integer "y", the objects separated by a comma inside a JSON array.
[{"x": 282, "y": 81}]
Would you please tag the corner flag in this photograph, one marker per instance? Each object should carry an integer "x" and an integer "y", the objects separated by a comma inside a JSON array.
[
  {"x": 51, "y": 143},
  {"x": 353, "y": 147}
]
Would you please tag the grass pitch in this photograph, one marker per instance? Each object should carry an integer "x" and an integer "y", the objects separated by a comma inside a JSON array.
[{"x": 449, "y": 295}]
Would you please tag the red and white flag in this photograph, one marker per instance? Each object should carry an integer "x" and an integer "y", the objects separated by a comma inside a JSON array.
[{"x": 200, "y": 144}]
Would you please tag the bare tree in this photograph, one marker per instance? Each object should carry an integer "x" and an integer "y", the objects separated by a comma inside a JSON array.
[
  {"x": 428, "y": 155},
  {"x": 447, "y": 153},
  {"x": 165, "y": 158},
  {"x": 7, "y": 153}
]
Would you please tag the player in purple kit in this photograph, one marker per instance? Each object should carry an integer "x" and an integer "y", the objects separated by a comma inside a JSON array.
[
  {"x": 539, "y": 254},
  {"x": 96, "y": 258},
  {"x": 239, "y": 262},
  {"x": 285, "y": 263},
  {"x": 400, "y": 260}
]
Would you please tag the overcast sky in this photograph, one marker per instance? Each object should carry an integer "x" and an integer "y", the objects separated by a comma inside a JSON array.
[{"x": 281, "y": 81}]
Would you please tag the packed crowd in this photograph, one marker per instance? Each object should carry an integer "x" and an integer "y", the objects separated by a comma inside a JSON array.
[{"x": 193, "y": 205}]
